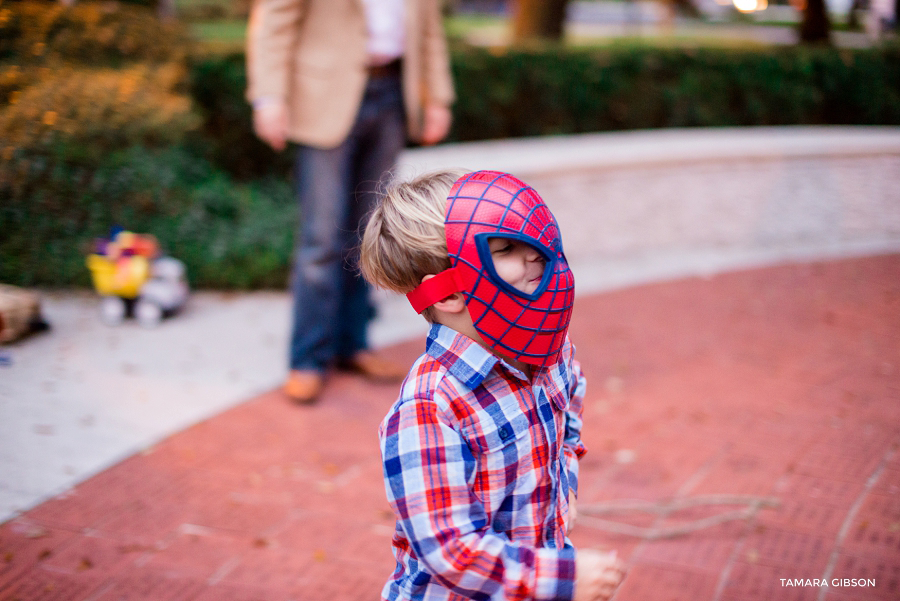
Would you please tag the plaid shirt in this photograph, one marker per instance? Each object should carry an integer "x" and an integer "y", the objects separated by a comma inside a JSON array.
[{"x": 478, "y": 464}]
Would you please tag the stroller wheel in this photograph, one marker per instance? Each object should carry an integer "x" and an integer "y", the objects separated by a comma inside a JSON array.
[
  {"x": 112, "y": 310},
  {"x": 148, "y": 314}
]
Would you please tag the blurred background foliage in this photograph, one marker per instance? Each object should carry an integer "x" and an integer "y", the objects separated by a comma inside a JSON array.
[
  {"x": 110, "y": 115},
  {"x": 98, "y": 127}
]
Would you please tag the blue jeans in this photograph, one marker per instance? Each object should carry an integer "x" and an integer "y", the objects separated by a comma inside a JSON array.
[{"x": 336, "y": 188}]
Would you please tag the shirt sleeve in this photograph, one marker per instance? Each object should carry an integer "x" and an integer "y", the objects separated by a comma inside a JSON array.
[
  {"x": 573, "y": 447},
  {"x": 439, "y": 81},
  {"x": 428, "y": 468},
  {"x": 271, "y": 37}
]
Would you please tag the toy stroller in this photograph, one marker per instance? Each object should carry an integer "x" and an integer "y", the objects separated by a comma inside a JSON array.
[{"x": 133, "y": 279}]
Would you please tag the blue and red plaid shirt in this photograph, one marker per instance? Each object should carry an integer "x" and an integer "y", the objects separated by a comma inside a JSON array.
[{"x": 478, "y": 464}]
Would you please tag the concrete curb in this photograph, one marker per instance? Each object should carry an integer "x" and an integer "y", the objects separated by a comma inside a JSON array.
[{"x": 555, "y": 155}]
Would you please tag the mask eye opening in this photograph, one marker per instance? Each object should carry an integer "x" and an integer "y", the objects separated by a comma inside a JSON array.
[{"x": 483, "y": 246}]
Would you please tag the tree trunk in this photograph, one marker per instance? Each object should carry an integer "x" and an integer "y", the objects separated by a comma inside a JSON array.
[
  {"x": 539, "y": 19},
  {"x": 816, "y": 26}
]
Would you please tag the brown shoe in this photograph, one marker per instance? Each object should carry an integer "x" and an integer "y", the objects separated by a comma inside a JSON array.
[
  {"x": 303, "y": 386},
  {"x": 371, "y": 366}
]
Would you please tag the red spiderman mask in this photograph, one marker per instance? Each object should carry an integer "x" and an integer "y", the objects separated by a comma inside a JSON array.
[{"x": 525, "y": 326}]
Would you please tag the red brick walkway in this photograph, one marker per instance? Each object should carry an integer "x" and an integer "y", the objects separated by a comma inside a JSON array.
[{"x": 772, "y": 383}]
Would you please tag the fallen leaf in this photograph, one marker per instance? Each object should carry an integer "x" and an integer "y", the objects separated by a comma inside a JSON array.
[
  {"x": 614, "y": 385},
  {"x": 625, "y": 456}
]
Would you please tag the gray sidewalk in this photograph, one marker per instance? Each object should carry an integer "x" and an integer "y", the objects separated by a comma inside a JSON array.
[{"x": 635, "y": 207}]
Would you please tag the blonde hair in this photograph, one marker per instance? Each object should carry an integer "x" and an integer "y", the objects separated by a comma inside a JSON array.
[{"x": 404, "y": 239}]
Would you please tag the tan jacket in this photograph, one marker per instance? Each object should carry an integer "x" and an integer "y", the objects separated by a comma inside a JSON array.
[{"x": 312, "y": 55}]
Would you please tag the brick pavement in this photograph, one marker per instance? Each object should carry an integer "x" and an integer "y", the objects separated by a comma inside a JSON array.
[{"x": 780, "y": 382}]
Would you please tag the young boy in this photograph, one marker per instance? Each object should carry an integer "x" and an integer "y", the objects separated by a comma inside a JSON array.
[{"x": 481, "y": 449}]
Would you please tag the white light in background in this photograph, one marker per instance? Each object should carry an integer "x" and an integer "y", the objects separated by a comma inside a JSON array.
[{"x": 749, "y": 6}]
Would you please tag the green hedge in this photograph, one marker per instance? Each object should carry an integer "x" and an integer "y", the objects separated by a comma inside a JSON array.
[
  {"x": 560, "y": 91},
  {"x": 97, "y": 129},
  {"x": 571, "y": 91},
  {"x": 229, "y": 235}
]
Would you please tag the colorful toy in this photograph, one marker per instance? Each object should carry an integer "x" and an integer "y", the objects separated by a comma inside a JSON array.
[{"x": 131, "y": 276}]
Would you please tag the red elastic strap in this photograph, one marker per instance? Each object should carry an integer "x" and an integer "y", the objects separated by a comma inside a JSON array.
[{"x": 435, "y": 289}]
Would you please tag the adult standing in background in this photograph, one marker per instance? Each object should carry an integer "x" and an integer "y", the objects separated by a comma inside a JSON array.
[{"x": 349, "y": 81}]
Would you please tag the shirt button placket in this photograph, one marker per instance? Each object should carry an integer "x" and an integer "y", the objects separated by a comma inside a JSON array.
[{"x": 549, "y": 530}]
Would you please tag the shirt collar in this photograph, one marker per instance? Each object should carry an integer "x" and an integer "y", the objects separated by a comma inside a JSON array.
[{"x": 465, "y": 359}]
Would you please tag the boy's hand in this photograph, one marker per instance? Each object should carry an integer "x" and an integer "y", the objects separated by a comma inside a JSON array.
[
  {"x": 573, "y": 512},
  {"x": 597, "y": 575}
]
